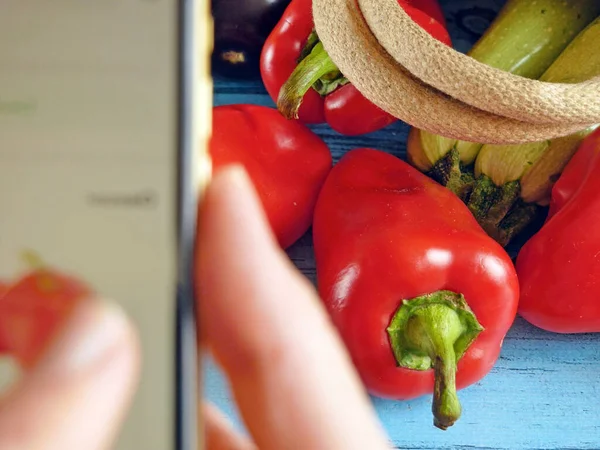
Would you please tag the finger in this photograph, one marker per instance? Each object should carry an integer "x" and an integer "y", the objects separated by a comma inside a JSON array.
[
  {"x": 77, "y": 395},
  {"x": 219, "y": 434},
  {"x": 292, "y": 379}
]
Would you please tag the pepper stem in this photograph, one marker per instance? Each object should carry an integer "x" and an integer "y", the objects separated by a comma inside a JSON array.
[
  {"x": 311, "y": 69},
  {"x": 34, "y": 263},
  {"x": 446, "y": 406},
  {"x": 32, "y": 260},
  {"x": 433, "y": 332}
]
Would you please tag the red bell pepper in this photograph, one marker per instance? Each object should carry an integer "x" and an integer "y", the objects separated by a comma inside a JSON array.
[
  {"x": 3, "y": 343},
  {"x": 35, "y": 308},
  {"x": 559, "y": 267},
  {"x": 286, "y": 161},
  {"x": 411, "y": 281},
  {"x": 299, "y": 75},
  {"x": 574, "y": 173}
]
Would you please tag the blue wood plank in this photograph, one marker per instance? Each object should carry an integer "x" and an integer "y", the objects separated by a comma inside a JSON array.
[{"x": 543, "y": 392}]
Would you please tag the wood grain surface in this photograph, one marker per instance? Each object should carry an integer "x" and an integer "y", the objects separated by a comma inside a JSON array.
[{"x": 543, "y": 393}]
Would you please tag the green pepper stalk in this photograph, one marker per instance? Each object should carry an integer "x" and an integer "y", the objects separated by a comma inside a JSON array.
[
  {"x": 525, "y": 39},
  {"x": 433, "y": 332},
  {"x": 514, "y": 181}
]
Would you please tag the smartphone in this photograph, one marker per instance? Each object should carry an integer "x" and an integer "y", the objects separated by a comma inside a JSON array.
[{"x": 104, "y": 121}]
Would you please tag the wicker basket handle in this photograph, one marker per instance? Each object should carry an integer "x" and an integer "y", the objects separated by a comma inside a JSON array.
[{"x": 402, "y": 69}]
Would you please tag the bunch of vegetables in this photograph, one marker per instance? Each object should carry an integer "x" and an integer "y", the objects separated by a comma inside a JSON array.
[
  {"x": 411, "y": 265},
  {"x": 506, "y": 186}
]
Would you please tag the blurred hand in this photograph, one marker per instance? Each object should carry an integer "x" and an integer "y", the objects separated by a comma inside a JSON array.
[{"x": 293, "y": 381}]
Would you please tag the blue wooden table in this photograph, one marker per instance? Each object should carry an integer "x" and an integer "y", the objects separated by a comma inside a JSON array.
[{"x": 543, "y": 393}]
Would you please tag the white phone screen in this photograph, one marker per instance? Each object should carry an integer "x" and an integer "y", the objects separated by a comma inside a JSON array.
[{"x": 89, "y": 169}]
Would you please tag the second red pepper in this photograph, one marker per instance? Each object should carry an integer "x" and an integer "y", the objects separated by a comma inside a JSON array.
[
  {"x": 411, "y": 281},
  {"x": 286, "y": 161},
  {"x": 299, "y": 75},
  {"x": 559, "y": 267}
]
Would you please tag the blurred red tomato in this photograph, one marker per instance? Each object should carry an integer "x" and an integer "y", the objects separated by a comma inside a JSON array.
[
  {"x": 3, "y": 343},
  {"x": 33, "y": 310}
]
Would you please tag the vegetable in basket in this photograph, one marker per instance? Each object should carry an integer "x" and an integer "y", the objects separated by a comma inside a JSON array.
[
  {"x": 513, "y": 182},
  {"x": 306, "y": 84},
  {"x": 286, "y": 161},
  {"x": 559, "y": 268},
  {"x": 241, "y": 28},
  {"x": 420, "y": 294},
  {"x": 525, "y": 39}
]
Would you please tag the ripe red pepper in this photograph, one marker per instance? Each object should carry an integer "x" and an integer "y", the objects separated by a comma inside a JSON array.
[
  {"x": 411, "y": 281},
  {"x": 3, "y": 343},
  {"x": 35, "y": 308},
  {"x": 293, "y": 60},
  {"x": 286, "y": 161},
  {"x": 559, "y": 267}
]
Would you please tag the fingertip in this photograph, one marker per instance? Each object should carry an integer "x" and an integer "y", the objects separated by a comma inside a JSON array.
[
  {"x": 231, "y": 195},
  {"x": 80, "y": 390},
  {"x": 234, "y": 237},
  {"x": 231, "y": 175},
  {"x": 230, "y": 183},
  {"x": 95, "y": 331}
]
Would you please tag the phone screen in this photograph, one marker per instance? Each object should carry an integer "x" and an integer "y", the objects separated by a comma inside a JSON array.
[{"x": 98, "y": 175}]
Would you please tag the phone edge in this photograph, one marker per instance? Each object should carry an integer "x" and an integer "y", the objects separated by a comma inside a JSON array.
[{"x": 187, "y": 398}]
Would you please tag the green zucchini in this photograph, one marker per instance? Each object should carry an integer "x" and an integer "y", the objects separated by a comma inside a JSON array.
[
  {"x": 525, "y": 38},
  {"x": 528, "y": 171}
]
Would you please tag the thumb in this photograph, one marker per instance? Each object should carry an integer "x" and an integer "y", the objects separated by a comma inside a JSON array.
[{"x": 77, "y": 395}]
